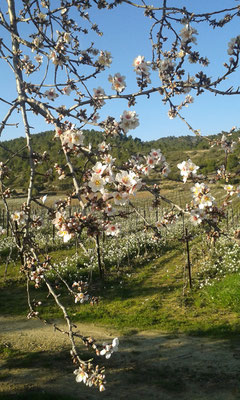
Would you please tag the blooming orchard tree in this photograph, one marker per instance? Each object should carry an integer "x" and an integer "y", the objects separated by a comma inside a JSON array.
[{"x": 42, "y": 45}]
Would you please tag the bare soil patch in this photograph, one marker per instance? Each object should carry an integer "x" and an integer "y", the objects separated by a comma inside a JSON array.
[{"x": 149, "y": 365}]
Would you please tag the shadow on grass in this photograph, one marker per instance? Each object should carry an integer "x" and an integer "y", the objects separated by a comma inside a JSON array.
[
  {"x": 35, "y": 395},
  {"x": 146, "y": 367},
  {"x": 37, "y": 359}
]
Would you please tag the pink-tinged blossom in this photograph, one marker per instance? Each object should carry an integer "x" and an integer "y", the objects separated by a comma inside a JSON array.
[
  {"x": 156, "y": 154},
  {"x": 145, "y": 169},
  {"x": 207, "y": 200},
  {"x": 67, "y": 37},
  {"x": 151, "y": 161},
  {"x": 103, "y": 147},
  {"x": 199, "y": 189},
  {"x": 64, "y": 233},
  {"x": 120, "y": 198},
  {"x": 55, "y": 59},
  {"x": 187, "y": 168},
  {"x": 187, "y": 33},
  {"x": 81, "y": 297},
  {"x": 96, "y": 183},
  {"x": 118, "y": 82},
  {"x": 109, "y": 210},
  {"x": 99, "y": 168},
  {"x": 39, "y": 59},
  {"x": 126, "y": 179},
  {"x": 196, "y": 216},
  {"x": 95, "y": 117},
  {"x": 98, "y": 93},
  {"x": 112, "y": 229},
  {"x": 166, "y": 169},
  {"x": 128, "y": 120},
  {"x": 72, "y": 138},
  {"x": 105, "y": 58},
  {"x": 137, "y": 186},
  {"x": 81, "y": 376},
  {"x": 110, "y": 348},
  {"x": 108, "y": 159},
  {"x": 67, "y": 90},
  {"x": 59, "y": 219},
  {"x": 141, "y": 67},
  {"x": 19, "y": 217},
  {"x": 51, "y": 94}
]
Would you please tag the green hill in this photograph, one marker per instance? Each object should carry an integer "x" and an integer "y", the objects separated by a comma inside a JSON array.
[{"x": 175, "y": 149}]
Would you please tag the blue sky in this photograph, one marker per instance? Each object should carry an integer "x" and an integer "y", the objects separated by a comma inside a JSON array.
[{"x": 126, "y": 36}]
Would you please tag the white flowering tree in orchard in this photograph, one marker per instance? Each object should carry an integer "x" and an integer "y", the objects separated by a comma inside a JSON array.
[{"x": 57, "y": 80}]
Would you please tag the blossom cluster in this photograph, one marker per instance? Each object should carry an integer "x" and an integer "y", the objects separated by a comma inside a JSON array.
[
  {"x": 95, "y": 376},
  {"x": 118, "y": 82},
  {"x": 141, "y": 67},
  {"x": 187, "y": 169},
  {"x": 203, "y": 202},
  {"x": 81, "y": 296}
]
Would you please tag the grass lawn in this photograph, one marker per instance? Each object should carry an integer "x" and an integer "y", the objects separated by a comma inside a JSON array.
[{"x": 150, "y": 294}]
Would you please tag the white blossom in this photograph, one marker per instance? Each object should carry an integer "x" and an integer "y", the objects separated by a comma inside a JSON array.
[{"x": 129, "y": 120}]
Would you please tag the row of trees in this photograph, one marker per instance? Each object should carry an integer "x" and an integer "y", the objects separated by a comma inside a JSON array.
[{"x": 122, "y": 149}]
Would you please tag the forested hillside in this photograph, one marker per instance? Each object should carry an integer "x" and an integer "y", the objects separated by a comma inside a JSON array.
[{"x": 175, "y": 149}]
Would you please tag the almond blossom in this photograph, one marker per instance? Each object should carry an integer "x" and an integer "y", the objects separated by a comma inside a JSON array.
[
  {"x": 118, "y": 82},
  {"x": 197, "y": 216},
  {"x": 64, "y": 233},
  {"x": 97, "y": 94},
  {"x": 67, "y": 37},
  {"x": 110, "y": 348},
  {"x": 99, "y": 168},
  {"x": 112, "y": 229},
  {"x": 51, "y": 94},
  {"x": 19, "y": 217},
  {"x": 2, "y": 231},
  {"x": 67, "y": 90},
  {"x": 105, "y": 58},
  {"x": 110, "y": 210},
  {"x": 72, "y": 138},
  {"x": 187, "y": 33},
  {"x": 39, "y": 59},
  {"x": 207, "y": 200},
  {"x": 141, "y": 67},
  {"x": 120, "y": 198},
  {"x": 128, "y": 120},
  {"x": 81, "y": 297},
  {"x": 81, "y": 375},
  {"x": 126, "y": 178},
  {"x": 96, "y": 183},
  {"x": 198, "y": 189},
  {"x": 56, "y": 60},
  {"x": 230, "y": 189},
  {"x": 187, "y": 169},
  {"x": 103, "y": 146}
]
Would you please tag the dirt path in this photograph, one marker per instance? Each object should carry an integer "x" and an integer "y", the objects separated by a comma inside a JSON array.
[{"x": 148, "y": 366}]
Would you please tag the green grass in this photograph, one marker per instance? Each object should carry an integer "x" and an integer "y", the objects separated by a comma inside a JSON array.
[
  {"x": 146, "y": 296},
  {"x": 224, "y": 293}
]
